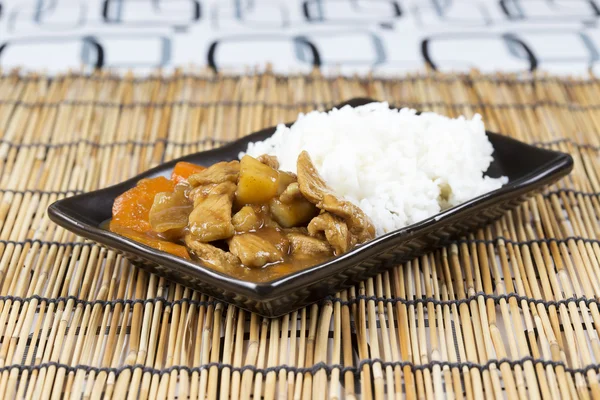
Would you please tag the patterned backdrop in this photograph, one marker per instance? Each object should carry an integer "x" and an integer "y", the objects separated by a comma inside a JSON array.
[{"x": 347, "y": 36}]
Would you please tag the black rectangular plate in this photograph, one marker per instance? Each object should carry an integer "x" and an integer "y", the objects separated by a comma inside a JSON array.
[{"x": 528, "y": 168}]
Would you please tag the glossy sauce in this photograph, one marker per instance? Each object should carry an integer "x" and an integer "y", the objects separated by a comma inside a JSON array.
[
  {"x": 268, "y": 272},
  {"x": 291, "y": 263},
  {"x": 245, "y": 219}
]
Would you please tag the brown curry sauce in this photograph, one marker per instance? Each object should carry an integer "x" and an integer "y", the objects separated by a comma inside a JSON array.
[{"x": 246, "y": 219}]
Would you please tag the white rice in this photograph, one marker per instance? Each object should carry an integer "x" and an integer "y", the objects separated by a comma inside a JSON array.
[{"x": 398, "y": 167}]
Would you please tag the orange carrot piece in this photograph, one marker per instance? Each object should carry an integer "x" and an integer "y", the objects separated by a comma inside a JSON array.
[
  {"x": 131, "y": 209},
  {"x": 149, "y": 240},
  {"x": 184, "y": 170}
]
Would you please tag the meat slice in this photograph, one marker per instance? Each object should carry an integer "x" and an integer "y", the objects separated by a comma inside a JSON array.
[
  {"x": 247, "y": 219},
  {"x": 170, "y": 210},
  {"x": 212, "y": 256},
  {"x": 276, "y": 237},
  {"x": 253, "y": 250},
  {"x": 201, "y": 192},
  {"x": 291, "y": 193},
  {"x": 358, "y": 223},
  {"x": 303, "y": 246},
  {"x": 211, "y": 219},
  {"x": 216, "y": 173},
  {"x": 336, "y": 232},
  {"x": 300, "y": 229},
  {"x": 271, "y": 161},
  {"x": 314, "y": 188}
]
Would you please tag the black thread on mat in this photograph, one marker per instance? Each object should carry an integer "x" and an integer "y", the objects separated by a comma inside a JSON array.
[
  {"x": 45, "y": 242},
  {"x": 203, "y": 141},
  {"x": 42, "y": 192},
  {"x": 566, "y": 140},
  {"x": 354, "y": 300},
  {"x": 521, "y": 80},
  {"x": 163, "y": 104},
  {"x": 112, "y": 303},
  {"x": 571, "y": 191},
  {"x": 293, "y": 106},
  {"x": 132, "y": 142},
  {"x": 356, "y": 370},
  {"x": 486, "y": 296},
  {"x": 521, "y": 243}
]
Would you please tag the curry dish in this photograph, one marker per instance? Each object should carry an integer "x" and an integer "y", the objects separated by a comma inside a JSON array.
[{"x": 245, "y": 218}]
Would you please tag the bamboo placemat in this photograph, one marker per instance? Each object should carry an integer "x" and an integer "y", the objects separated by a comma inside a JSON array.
[{"x": 511, "y": 310}]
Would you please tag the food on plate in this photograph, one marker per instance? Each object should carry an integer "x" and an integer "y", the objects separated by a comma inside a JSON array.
[
  {"x": 132, "y": 208},
  {"x": 329, "y": 183},
  {"x": 240, "y": 216},
  {"x": 397, "y": 166},
  {"x": 184, "y": 170}
]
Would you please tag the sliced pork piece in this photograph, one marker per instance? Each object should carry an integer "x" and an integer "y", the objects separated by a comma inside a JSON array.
[
  {"x": 201, "y": 192},
  {"x": 247, "y": 219},
  {"x": 291, "y": 193},
  {"x": 254, "y": 251},
  {"x": 304, "y": 246},
  {"x": 358, "y": 223},
  {"x": 314, "y": 188},
  {"x": 271, "y": 161},
  {"x": 211, "y": 255},
  {"x": 170, "y": 210},
  {"x": 276, "y": 237},
  {"x": 216, "y": 173},
  {"x": 336, "y": 232},
  {"x": 211, "y": 219}
]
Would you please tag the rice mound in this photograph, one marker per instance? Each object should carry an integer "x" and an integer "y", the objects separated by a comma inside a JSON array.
[{"x": 398, "y": 167}]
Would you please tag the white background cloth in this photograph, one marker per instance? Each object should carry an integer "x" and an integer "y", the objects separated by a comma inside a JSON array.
[{"x": 347, "y": 36}]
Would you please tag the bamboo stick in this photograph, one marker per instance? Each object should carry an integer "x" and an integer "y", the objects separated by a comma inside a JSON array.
[{"x": 523, "y": 289}]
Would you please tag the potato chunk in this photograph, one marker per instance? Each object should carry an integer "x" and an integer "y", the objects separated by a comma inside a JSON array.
[
  {"x": 285, "y": 180},
  {"x": 291, "y": 193},
  {"x": 258, "y": 183},
  {"x": 296, "y": 212}
]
